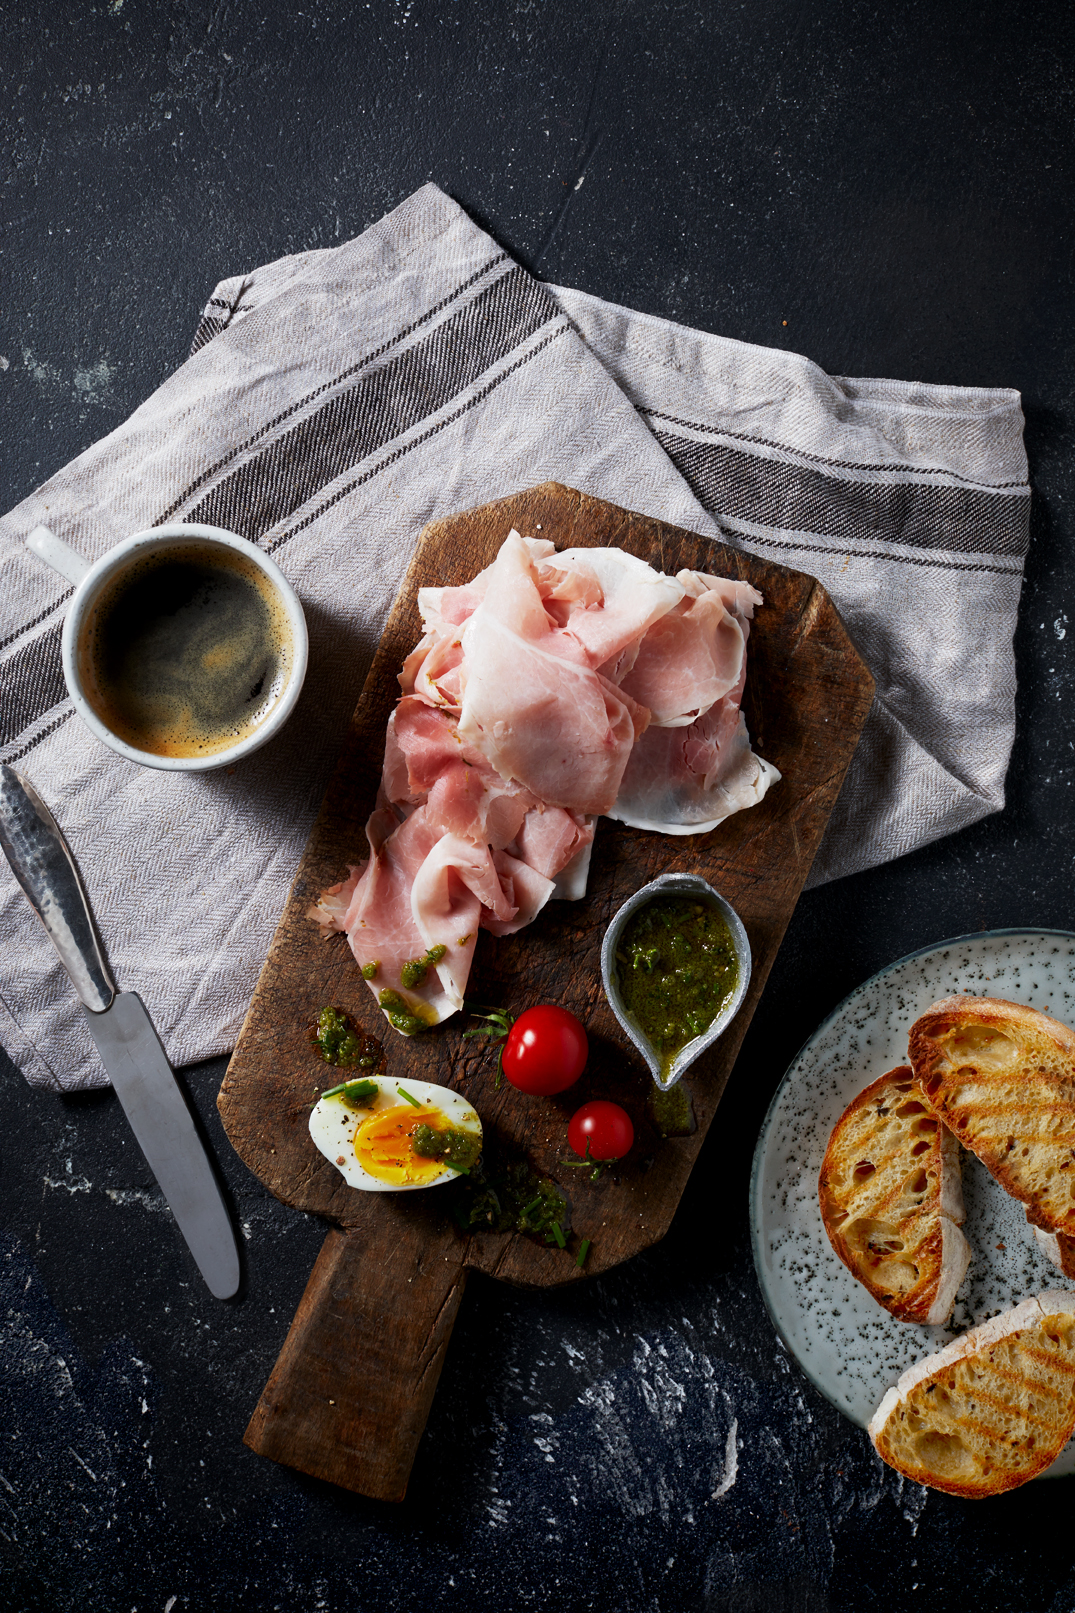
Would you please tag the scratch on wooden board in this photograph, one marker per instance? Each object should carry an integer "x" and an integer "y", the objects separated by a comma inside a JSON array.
[{"x": 813, "y": 605}]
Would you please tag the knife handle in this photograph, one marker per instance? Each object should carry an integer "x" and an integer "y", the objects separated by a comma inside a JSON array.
[{"x": 44, "y": 867}]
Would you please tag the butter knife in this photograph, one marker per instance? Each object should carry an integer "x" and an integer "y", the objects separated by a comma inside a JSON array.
[{"x": 129, "y": 1047}]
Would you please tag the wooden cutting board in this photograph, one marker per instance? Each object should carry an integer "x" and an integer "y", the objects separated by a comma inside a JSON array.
[{"x": 351, "y": 1391}]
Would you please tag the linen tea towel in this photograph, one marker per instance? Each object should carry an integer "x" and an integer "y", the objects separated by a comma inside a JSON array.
[
  {"x": 333, "y": 404},
  {"x": 349, "y": 397}
]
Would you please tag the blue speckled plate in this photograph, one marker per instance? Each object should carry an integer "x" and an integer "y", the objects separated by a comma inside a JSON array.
[{"x": 845, "y": 1342}]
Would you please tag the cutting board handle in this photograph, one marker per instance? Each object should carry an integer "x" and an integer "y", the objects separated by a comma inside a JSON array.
[{"x": 350, "y": 1393}]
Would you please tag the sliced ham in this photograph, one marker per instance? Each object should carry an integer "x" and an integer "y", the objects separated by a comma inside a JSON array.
[
  {"x": 526, "y": 889},
  {"x": 693, "y": 656},
  {"x": 632, "y": 597},
  {"x": 684, "y": 781},
  {"x": 532, "y": 705},
  {"x": 549, "y": 689},
  {"x": 550, "y": 838},
  {"x": 421, "y": 888}
]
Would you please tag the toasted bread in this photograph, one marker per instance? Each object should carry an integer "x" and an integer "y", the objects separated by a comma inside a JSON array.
[
  {"x": 891, "y": 1200},
  {"x": 989, "y": 1411},
  {"x": 1002, "y": 1077},
  {"x": 1059, "y": 1247}
]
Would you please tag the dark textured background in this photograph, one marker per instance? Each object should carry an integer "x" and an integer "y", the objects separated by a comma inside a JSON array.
[{"x": 896, "y": 183}]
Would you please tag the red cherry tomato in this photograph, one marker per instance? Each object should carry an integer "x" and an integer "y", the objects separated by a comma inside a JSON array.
[
  {"x": 605, "y": 1127},
  {"x": 545, "y": 1050}
]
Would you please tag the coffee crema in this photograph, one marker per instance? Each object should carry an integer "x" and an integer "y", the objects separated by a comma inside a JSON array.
[{"x": 187, "y": 652}]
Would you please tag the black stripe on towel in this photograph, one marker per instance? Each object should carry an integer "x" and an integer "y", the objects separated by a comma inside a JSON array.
[
  {"x": 347, "y": 428},
  {"x": 792, "y": 498},
  {"x": 381, "y": 406},
  {"x": 366, "y": 362},
  {"x": 32, "y": 683}
]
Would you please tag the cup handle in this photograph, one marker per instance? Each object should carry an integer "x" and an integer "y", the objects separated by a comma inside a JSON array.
[{"x": 57, "y": 554}]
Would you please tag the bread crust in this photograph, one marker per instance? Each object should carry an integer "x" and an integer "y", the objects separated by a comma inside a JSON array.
[
  {"x": 1002, "y": 1077},
  {"x": 891, "y": 1200},
  {"x": 992, "y": 1409},
  {"x": 1059, "y": 1247}
]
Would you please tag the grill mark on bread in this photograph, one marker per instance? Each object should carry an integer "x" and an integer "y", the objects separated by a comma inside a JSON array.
[
  {"x": 990, "y": 1410},
  {"x": 884, "y": 1202},
  {"x": 1002, "y": 1076},
  {"x": 1039, "y": 1386},
  {"x": 1004, "y": 1409}
]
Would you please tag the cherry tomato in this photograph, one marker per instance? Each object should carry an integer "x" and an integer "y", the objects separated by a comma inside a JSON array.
[
  {"x": 604, "y": 1127},
  {"x": 545, "y": 1050}
]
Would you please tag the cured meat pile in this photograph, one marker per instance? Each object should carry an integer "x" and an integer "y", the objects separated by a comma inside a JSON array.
[{"x": 551, "y": 689}]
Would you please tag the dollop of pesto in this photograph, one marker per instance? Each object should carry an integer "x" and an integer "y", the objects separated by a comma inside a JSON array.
[
  {"x": 341, "y": 1042},
  {"x": 460, "y": 1149},
  {"x": 414, "y": 970},
  {"x": 676, "y": 967},
  {"x": 401, "y": 1015}
]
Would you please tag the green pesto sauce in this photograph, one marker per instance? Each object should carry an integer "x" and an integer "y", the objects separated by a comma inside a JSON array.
[
  {"x": 404, "y": 1016},
  {"x": 671, "y": 1111},
  {"x": 503, "y": 1196},
  {"x": 676, "y": 967},
  {"x": 458, "y": 1148},
  {"x": 341, "y": 1042},
  {"x": 415, "y": 969}
]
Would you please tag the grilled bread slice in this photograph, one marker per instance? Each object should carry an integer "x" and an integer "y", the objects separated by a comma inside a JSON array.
[
  {"x": 1002, "y": 1077},
  {"x": 891, "y": 1200},
  {"x": 989, "y": 1411}
]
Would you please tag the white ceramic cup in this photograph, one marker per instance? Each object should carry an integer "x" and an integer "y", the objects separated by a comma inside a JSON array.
[{"x": 91, "y": 580}]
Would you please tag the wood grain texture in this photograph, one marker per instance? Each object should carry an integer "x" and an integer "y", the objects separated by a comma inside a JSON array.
[
  {"x": 807, "y": 696},
  {"x": 358, "y": 1424}
]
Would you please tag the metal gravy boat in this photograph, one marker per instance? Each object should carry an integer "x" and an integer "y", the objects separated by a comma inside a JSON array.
[{"x": 667, "y": 1071}]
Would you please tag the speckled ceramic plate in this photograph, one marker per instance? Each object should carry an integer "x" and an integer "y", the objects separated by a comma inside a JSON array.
[{"x": 845, "y": 1342}]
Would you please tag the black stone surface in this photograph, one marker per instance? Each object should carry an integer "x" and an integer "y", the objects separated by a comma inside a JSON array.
[{"x": 894, "y": 182}]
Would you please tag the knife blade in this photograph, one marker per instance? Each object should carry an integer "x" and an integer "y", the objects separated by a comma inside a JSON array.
[{"x": 123, "y": 1032}]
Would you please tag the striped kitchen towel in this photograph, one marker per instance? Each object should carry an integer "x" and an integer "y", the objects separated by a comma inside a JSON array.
[{"x": 336, "y": 401}]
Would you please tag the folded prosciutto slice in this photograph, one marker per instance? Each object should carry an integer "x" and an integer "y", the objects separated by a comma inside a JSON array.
[{"x": 548, "y": 690}]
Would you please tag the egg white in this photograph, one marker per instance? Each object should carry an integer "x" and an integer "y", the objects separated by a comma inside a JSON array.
[{"x": 334, "y": 1122}]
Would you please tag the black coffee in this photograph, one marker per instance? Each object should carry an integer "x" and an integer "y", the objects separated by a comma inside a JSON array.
[{"x": 187, "y": 653}]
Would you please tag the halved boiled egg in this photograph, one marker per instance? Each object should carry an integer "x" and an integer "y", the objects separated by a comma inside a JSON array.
[{"x": 385, "y": 1136}]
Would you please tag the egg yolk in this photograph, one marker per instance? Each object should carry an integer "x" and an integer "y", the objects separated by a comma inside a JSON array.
[{"x": 383, "y": 1144}]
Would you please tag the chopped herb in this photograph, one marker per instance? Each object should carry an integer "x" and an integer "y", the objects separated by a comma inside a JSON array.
[
  {"x": 557, "y": 1232},
  {"x": 358, "y": 1093},
  {"x": 497, "y": 1028},
  {"x": 343, "y": 1043},
  {"x": 415, "y": 1102},
  {"x": 369, "y": 970},
  {"x": 504, "y": 1195},
  {"x": 584, "y": 1249},
  {"x": 428, "y": 1142},
  {"x": 588, "y": 1159},
  {"x": 406, "y": 1024}
]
